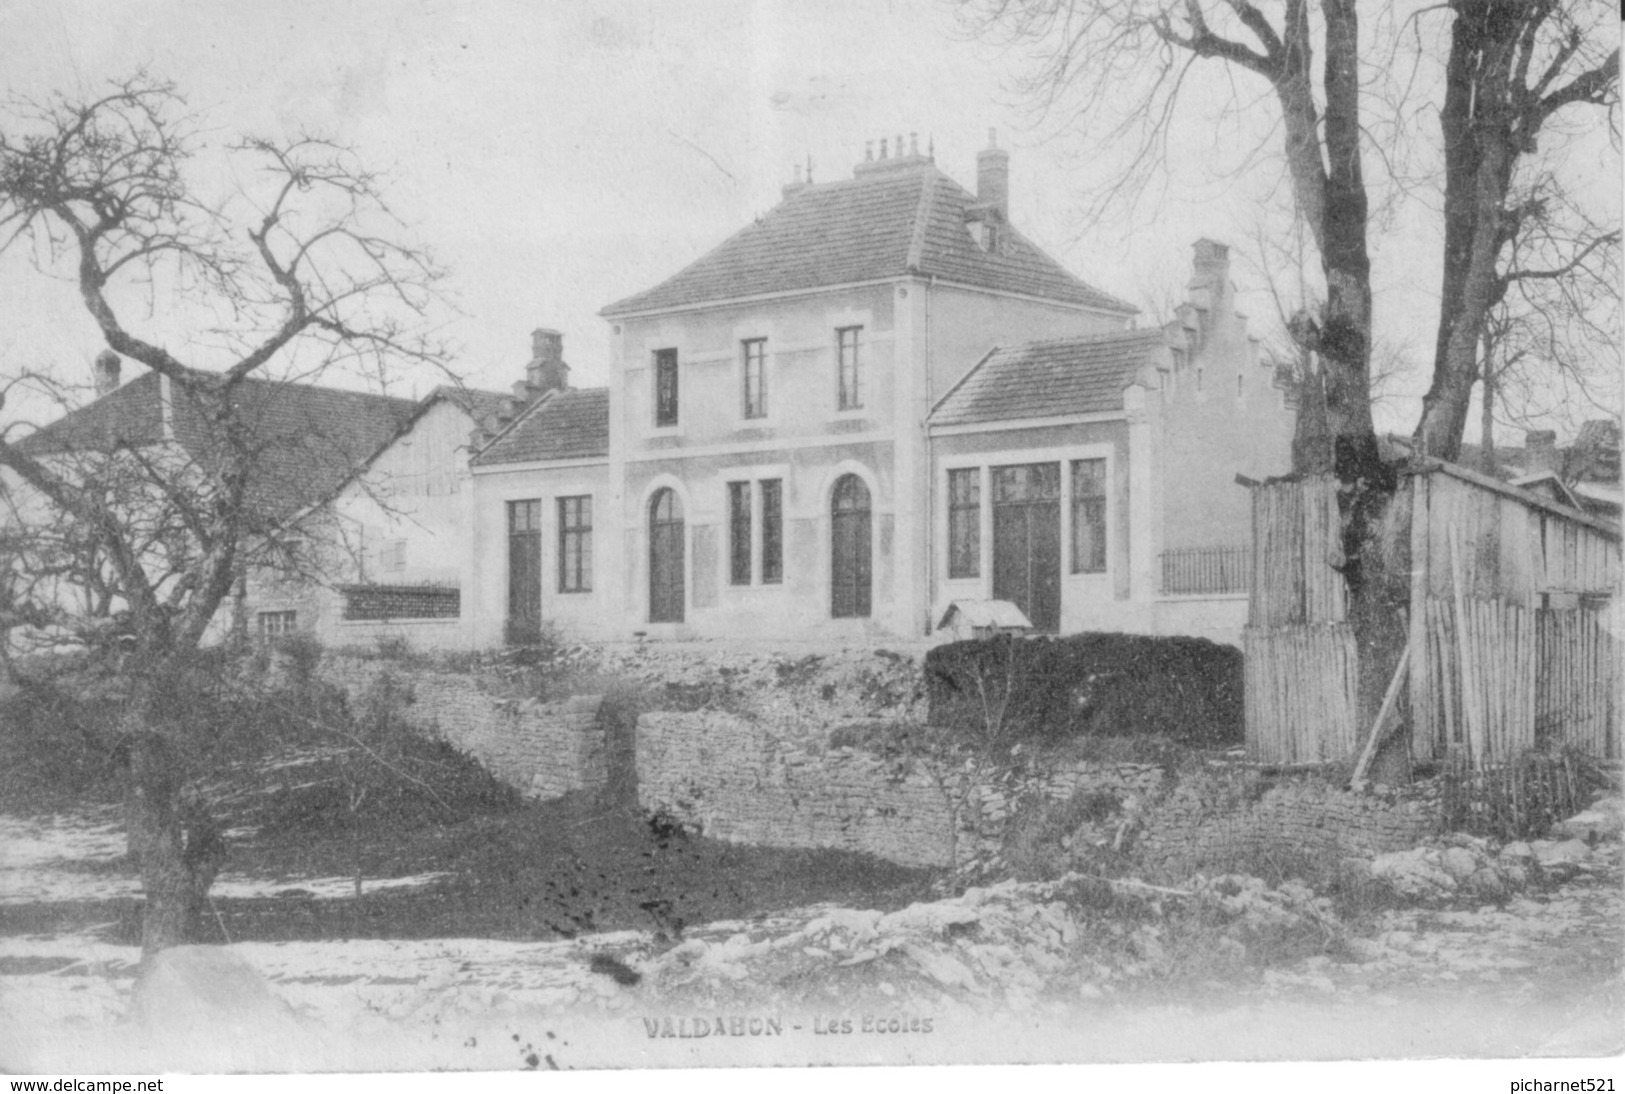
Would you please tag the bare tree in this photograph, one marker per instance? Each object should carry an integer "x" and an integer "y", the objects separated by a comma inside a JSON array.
[
  {"x": 1550, "y": 344},
  {"x": 1514, "y": 69},
  {"x": 1092, "y": 53},
  {"x": 304, "y": 271}
]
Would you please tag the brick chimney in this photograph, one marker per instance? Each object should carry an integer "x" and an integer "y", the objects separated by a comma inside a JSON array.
[
  {"x": 1209, "y": 285},
  {"x": 1540, "y": 451},
  {"x": 105, "y": 370},
  {"x": 547, "y": 370},
  {"x": 993, "y": 176}
]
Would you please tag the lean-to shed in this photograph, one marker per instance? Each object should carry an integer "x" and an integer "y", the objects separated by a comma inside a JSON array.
[{"x": 1513, "y": 622}]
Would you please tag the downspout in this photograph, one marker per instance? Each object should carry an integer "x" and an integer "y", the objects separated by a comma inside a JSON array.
[{"x": 930, "y": 466}]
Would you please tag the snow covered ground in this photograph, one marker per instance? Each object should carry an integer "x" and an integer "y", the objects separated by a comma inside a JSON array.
[{"x": 968, "y": 979}]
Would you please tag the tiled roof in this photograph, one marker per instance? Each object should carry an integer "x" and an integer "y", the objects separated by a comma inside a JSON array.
[
  {"x": 307, "y": 440},
  {"x": 1083, "y": 375},
  {"x": 479, "y": 404},
  {"x": 129, "y": 415},
  {"x": 562, "y": 425},
  {"x": 908, "y": 219}
]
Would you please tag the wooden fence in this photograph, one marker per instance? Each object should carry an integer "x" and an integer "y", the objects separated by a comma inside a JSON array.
[
  {"x": 1295, "y": 531},
  {"x": 1195, "y": 571},
  {"x": 1578, "y": 697},
  {"x": 1300, "y": 693},
  {"x": 1507, "y": 651}
]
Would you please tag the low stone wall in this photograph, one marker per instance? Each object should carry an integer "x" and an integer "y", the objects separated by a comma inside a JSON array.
[
  {"x": 738, "y": 783},
  {"x": 544, "y": 750},
  {"x": 1188, "y": 831}
]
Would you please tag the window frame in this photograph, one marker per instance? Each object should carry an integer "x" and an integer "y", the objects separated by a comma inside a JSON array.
[
  {"x": 667, "y": 388},
  {"x": 1081, "y": 504},
  {"x": 280, "y": 623},
  {"x": 753, "y": 366},
  {"x": 959, "y": 511},
  {"x": 575, "y": 523},
  {"x": 741, "y": 565},
  {"x": 849, "y": 397},
  {"x": 771, "y": 569}
]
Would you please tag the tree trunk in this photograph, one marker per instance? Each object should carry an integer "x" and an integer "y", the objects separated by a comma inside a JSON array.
[
  {"x": 1486, "y": 422},
  {"x": 1377, "y": 591},
  {"x": 177, "y": 844}
]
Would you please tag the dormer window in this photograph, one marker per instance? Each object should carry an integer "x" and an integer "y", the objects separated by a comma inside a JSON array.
[{"x": 982, "y": 233}]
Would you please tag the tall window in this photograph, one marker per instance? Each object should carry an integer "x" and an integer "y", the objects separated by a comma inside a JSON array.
[
  {"x": 772, "y": 531},
  {"x": 739, "y": 533},
  {"x": 965, "y": 523},
  {"x": 524, "y": 570},
  {"x": 849, "y": 368},
  {"x": 575, "y": 545},
  {"x": 665, "y": 387},
  {"x": 755, "y": 378},
  {"x": 1088, "y": 516}
]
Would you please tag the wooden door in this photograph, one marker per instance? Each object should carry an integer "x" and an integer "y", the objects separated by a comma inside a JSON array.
[
  {"x": 666, "y": 594},
  {"x": 1027, "y": 541},
  {"x": 524, "y": 572},
  {"x": 851, "y": 567}
]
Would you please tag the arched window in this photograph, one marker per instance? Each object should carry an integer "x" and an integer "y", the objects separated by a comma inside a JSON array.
[
  {"x": 665, "y": 557},
  {"x": 850, "y": 563}
]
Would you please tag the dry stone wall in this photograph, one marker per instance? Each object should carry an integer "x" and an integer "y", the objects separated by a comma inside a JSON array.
[
  {"x": 544, "y": 750},
  {"x": 736, "y": 781},
  {"x": 739, "y": 783},
  {"x": 1189, "y": 831}
]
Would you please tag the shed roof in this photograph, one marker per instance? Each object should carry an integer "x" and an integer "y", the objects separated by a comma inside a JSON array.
[
  {"x": 1078, "y": 375},
  {"x": 561, "y": 425},
  {"x": 895, "y": 221}
]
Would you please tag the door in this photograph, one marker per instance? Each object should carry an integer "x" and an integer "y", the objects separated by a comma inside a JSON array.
[
  {"x": 1027, "y": 541},
  {"x": 665, "y": 558},
  {"x": 850, "y": 565},
  {"x": 524, "y": 572}
]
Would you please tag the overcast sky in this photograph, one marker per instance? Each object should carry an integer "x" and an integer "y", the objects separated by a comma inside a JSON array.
[{"x": 560, "y": 156}]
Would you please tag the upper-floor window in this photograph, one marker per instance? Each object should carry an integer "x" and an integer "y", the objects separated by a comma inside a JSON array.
[
  {"x": 965, "y": 522},
  {"x": 1088, "y": 516},
  {"x": 755, "y": 377},
  {"x": 849, "y": 368},
  {"x": 575, "y": 544},
  {"x": 665, "y": 387}
]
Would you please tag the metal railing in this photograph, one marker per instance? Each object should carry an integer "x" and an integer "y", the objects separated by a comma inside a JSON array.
[{"x": 1196, "y": 571}]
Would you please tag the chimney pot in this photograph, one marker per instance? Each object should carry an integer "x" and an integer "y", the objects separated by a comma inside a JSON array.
[
  {"x": 105, "y": 372},
  {"x": 547, "y": 370},
  {"x": 882, "y": 147},
  {"x": 913, "y": 143},
  {"x": 1540, "y": 450},
  {"x": 868, "y": 151},
  {"x": 993, "y": 177}
]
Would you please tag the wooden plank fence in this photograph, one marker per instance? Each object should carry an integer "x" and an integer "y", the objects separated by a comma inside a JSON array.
[
  {"x": 1300, "y": 693},
  {"x": 1578, "y": 698}
]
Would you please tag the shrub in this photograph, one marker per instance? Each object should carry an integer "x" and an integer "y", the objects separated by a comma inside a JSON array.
[{"x": 1003, "y": 690}]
